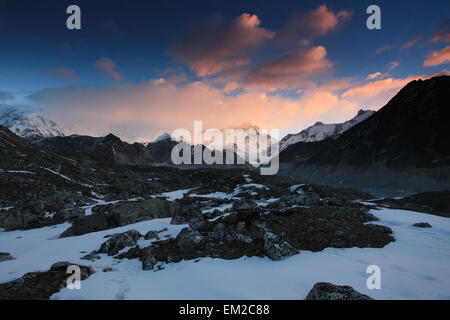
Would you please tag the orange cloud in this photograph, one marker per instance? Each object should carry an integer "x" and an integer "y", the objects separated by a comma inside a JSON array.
[
  {"x": 377, "y": 93},
  {"x": 108, "y": 67},
  {"x": 374, "y": 75},
  {"x": 213, "y": 46},
  {"x": 288, "y": 71},
  {"x": 140, "y": 112},
  {"x": 437, "y": 58},
  {"x": 303, "y": 27}
]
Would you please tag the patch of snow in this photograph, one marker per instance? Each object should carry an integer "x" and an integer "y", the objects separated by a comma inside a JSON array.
[
  {"x": 172, "y": 195},
  {"x": 222, "y": 208},
  {"x": 217, "y": 195},
  {"x": 57, "y": 173},
  {"x": 16, "y": 171},
  {"x": 415, "y": 266}
]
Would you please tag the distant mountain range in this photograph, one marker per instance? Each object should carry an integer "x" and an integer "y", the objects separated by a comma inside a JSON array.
[
  {"x": 403, "y": 147},
  {"x": 30, "y": 125}
]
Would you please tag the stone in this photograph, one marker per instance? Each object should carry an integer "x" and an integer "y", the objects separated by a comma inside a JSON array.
[
  {"x": 5, "y": 256},
  {"x": 422, "y": 225},
  {"x": 40, "y": 285},
  {"x": 149, "y": 262},
  {"x": 151, "y": 235},
  {"x": 329, "y": 291},
  {"x": 60, "y": 266},
  {"x": 118, "y": 241},
  {"x": 379, "y": 228},
  {"x": 276, "y": 248},
  {"x": 91, "y": 256}
]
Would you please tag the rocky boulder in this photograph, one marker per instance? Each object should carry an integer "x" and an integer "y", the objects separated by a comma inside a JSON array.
[
  {"x": 5, "y": 256},
  {"x": 329, "y": 291},
  {"x": 422, "y": 225},
  {"x": 119, "y": 241},
  {"x": 40, "y": 285},
  {"x": 276, "y": 248},
  {"x": 121, "y": 214}
]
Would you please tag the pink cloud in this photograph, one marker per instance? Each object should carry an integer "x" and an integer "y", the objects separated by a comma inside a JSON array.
[
  {"x": 443, "y": 33},
  {"x": 288, "y": 71},
  {"x": 301, "y": 28},
  {"x": 213, "y": 46},
  {"x": 437, "y": 58},
  {"x": 374, "y": 75},
  {"x": 375, "y": 94},
  {"x": 383, "y": 48},
  {"x": 411, "y": 42},
  {"x": 393, "y": 65},
  {"x": 108, "y": 67},
  {"x": 63, "y": 73}
]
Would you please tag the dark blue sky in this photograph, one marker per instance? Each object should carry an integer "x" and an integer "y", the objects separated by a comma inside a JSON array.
[{"x": 137, "y": 34}]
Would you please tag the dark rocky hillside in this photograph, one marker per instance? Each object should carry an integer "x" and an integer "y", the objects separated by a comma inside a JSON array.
[{"x": 404, "y": 146}]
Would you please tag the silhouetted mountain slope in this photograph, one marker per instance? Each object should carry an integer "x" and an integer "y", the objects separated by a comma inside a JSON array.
[
  {"x": 409, "y": 133},
  {"x": 109, "y": 149}
]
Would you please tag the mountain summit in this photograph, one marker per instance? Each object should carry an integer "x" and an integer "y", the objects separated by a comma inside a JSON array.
[
  {"x": 321, "y": 131},
  {"x": 30, "y": 125}
]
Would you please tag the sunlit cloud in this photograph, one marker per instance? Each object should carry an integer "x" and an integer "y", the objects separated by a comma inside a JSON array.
[
  {"x": 436, "y": 58},
  {"x": 214, "y": 46},
  {"x": 288, "y": 71},
  {"x": 303, "y": 27}
]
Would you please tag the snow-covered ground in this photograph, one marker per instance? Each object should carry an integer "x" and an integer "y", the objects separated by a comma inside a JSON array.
[{"x": 415, "y": 266}]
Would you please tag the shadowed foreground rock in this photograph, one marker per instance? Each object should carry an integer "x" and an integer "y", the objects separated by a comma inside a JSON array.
[
  {"x": 5, "y": 256},
  {"x": 329, "y": 291},
  {"x": 40, "y": 285},
  {"x": 422, "y": 225}
]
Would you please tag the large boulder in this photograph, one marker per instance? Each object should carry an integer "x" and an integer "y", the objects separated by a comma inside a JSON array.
[
  {"x": 5, "y": 256},
  {"x": 276, "y": 248},
  {"x": 40, "y": 285},
  {"x": 329, "y": 291},
  {"x": 121, "y": 214},
  {"x": 422, "y": 225},
  {"x": 187, "y": 214},
  {"x": 118, "y": 241}
]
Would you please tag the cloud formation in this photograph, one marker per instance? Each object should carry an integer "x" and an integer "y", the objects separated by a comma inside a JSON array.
[
  {"x": 62, "y": 73},
  {"x": 301, "y": 28},
  {"x": 382, "y": 49},
  {"x": 436, "y": 58},
  {"x": 392, "y": 65},
  {"x": 443, "y": 33},
  {"x": 108, "y": 67},
  {"x": 288, "y": 71},
  {"x": 411, "y": 42},
  {"x": 214, "y": 46}
]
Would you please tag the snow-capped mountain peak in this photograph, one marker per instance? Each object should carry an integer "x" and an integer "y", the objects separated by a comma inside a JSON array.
[
  {"x": 320, "y": 131},
  {"x": 30, "y": 125},
  {"x": 162, "y": 137}
]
